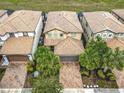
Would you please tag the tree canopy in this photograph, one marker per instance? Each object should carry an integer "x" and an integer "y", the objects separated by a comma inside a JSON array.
[
  {"x": 46, "y": 61},
  {"x": 98, "y": 55},
  {"x": 48, "y": 64}
]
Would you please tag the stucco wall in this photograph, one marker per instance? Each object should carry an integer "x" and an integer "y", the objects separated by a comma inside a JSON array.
[
  {"x": 3, "y": 17},
  {"x": 56, "y": 34},
  {"x": 87, "y": 29},
  {"x": 38, "y": 32}
]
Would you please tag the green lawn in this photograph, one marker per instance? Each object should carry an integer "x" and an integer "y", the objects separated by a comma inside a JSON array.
[{"x": 50, "y": 5}]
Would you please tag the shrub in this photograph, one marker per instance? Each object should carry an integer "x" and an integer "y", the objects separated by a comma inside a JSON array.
[
  {"x": 30, "y": 67},
  {"x": 111, "y": 76},
  {"x": 101, "y": 74},
  {"x": 85, "y": 72}
]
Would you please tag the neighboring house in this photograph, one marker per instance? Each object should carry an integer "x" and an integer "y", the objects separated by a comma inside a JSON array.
[
  {"x": 3, "y": 15},
  {"x": 19, "y": 33},
  {"x": 116, "y": 43},
  {"x": 119, "y": 14},
  {"x": 60, "y": 25},
  {"x": 17, "y": 49},
  {"x": 102, "y": 24},
  {"x": 63, "y": 33}
]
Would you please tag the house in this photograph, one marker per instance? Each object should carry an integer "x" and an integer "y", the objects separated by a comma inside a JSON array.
[
  {"x": 116, "y": 43},
  {"x": 20, "y": 34},
  {"x": 17, "y": 49},
  {"x": 102, "y": 24},
  {"x": 119, "y": 14},
  {"x": 119, "y": 74},
  {"x": 69, "y": 49},
  {"x": 63, "y": 33},
  {"x": 60, "y": 25},
  {"x": 3, "y": 15}
]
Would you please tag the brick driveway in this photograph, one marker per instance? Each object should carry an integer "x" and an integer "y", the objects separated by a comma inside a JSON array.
[
  {"x": 70, "y": 76},
  {"x": 15, "y": 76}
]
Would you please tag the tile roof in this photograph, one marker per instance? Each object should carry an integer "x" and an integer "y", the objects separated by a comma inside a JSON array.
[
  {"x": 101, "y": 20},
  {"x": 51, "y": 42},
  {"x": 119, "y": 12},
  {"x": 114, "y": 43},
  {"x": 65, "y": 21},
  {"x": 20, "y": 21},
  {"x": 20, "y": 45},
  {"x": 69, "y": 47}
]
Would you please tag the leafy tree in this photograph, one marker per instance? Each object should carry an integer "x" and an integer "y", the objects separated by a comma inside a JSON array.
[
  {"x": 48, "y": 64},
  {"x": 47, "y": 85},
  {"x": 46, "y": 61},
  {"x": 98, "y": 55},
  {"x": 118, "y": 59}
]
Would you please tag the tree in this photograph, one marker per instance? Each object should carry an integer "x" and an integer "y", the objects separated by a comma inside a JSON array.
[
  {"x": 47, "y": 85},
  {"x": 118, "y": 59},
  {"x": 48, "y": 64},
  {"x": 98, "y": 55},
  {"x": 46, "y": 61}
]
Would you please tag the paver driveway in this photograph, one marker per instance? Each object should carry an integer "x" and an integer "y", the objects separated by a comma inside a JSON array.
[
  {"x": 14, "y": 76},
  {"x": 119, "y": 77},
  {"x": 70, "y": 76}
]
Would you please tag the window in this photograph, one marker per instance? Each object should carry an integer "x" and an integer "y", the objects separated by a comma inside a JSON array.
[
  {"x": 61, "y": 35},
  {"x": 110, "y": 35},
  {"x": 11, "y": 34},
  {"x": 49, "y": 35},
  {"x": 73, "y": 34},
  {"x": 25, "y": 34},
  {"x": 98, "y": 35},
  {"x": 104, "y": 35}
]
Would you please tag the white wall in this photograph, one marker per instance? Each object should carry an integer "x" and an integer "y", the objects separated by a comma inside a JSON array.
[
  {"x": 3, "y": 17},
  {"x": 6, "y": 36},
  {"x": 87, "y": 29},
  {"x": 38, "y": 32},
  {"x": 18, "y": 34}
]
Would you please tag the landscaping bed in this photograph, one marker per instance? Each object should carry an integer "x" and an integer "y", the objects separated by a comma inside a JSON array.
[{"x": 93, "y": 79}]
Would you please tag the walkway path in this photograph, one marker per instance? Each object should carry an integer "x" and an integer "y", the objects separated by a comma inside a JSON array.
[
  {"x": 14, "y": 76},
  {"x": 70, "y": 76}
]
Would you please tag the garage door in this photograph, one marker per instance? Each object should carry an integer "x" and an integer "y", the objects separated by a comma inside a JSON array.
[
  {"x": 69, "y": 58},
  {"x": 18, "y": 58}
]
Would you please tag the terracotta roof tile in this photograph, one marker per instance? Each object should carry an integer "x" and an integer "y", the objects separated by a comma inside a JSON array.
[
  {"x": 20, "y": 21},
  {"x": 65, "y": 21},
  {"x": 114, "y": 43},
  {"x": 69, "y": 47},
  {"x": 101, "y": 20},
  {"x": 20, "y": 45},
  {"x": 119, "y": 12}
]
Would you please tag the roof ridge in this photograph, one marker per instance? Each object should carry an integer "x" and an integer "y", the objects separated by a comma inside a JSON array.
[
  {"x": 24, "y": 22},
  {"x": 71, "y": 22},
  {"x": 72, "y": 39}
]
